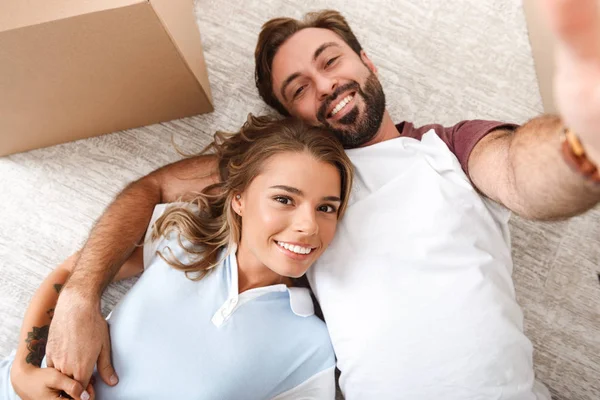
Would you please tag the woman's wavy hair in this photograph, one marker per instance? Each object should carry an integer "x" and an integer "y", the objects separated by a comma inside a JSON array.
[{"x": 241, "y": 157}]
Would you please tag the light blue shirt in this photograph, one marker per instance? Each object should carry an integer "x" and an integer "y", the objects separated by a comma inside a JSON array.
[
  {"x": 177, "y": 338},
  {"x": 174, "y": 338}
]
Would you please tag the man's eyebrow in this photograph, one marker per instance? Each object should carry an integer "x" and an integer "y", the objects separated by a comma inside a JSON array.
[
  {"x": 322, "y": 48},
  {"x": 298, "y": 192},
  {"x": 287, "y": 82}
]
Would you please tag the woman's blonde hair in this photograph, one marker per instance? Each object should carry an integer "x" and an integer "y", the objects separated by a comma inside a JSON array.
[{"x": 240, "y": 157}]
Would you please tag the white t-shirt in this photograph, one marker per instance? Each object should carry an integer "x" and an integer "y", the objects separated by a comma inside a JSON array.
[{"x": 416, "y": 287}]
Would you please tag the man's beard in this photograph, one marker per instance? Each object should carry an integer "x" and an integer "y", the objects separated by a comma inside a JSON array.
[{"x": 359, "y": 129}]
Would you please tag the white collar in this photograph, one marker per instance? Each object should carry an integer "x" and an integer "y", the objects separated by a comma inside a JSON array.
[{"x": 300, "y": 300}]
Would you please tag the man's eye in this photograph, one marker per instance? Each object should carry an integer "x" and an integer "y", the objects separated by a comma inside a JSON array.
[
  {"x": 331, "y": 61},
  {"x": 298, "y": 91},
  {"x": 283, "y": 200}
]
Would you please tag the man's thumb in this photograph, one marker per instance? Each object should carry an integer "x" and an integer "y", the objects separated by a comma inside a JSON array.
[{"x": 105, "y": 368}]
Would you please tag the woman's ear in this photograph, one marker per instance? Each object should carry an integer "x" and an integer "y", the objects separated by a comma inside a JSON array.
[{"x": 237, "y": 203}]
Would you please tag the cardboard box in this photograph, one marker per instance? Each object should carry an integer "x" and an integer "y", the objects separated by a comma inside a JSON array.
[{"x": 71, "y": 69}]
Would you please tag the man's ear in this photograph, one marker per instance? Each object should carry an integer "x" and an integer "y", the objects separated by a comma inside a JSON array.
[{"x": 367, "y": 61}]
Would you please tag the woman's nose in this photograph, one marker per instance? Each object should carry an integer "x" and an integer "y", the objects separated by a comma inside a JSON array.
[{"x": 306, "y": 222}]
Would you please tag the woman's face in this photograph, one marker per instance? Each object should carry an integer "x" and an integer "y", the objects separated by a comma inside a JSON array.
[{"x": 289, "y": 214}]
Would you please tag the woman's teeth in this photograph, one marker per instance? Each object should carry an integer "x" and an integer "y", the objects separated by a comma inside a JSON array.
[
  {"x": 294, "y": 248},
  {"x": 342, "y": 104}
]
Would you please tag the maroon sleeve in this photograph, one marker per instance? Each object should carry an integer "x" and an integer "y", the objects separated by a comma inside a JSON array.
[{"x": 460, "y": 138}]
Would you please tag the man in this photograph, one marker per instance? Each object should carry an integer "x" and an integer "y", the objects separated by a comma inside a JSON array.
[{"x": 416, "y": 288}]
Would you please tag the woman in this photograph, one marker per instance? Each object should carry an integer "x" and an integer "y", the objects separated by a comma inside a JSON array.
[{"x": 215, "y": 314}]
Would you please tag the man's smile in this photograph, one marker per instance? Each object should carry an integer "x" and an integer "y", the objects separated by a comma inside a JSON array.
[{"x": 339, "y": 108}]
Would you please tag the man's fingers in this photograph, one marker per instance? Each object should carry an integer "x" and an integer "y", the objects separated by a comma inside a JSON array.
[
  {"x": 576, "y": 24},
  {"x": 91, "y": 391},
  {"x": 83, "y": 377},
  {"x": 59, "y": 381},
  {"x": 105, "y": 368}
]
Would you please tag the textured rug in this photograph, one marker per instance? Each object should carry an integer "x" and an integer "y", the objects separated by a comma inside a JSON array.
[{"x": 439, "y": 61}]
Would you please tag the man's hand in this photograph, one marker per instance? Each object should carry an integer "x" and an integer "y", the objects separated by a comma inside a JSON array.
[
  {"x": 33, "y": 383},
  {"x": 576, "y": 24},
  {"x": 78, "y": 338}
]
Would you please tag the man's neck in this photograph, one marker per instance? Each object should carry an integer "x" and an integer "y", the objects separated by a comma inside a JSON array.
[{"x": 386, "y": 131}]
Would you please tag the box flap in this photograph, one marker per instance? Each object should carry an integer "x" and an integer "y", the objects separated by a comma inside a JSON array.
[
  {"x": 179, "y": 20},
  {"x": 20, "y": 13}
]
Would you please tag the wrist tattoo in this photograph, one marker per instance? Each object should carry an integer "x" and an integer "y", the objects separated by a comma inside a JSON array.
[
  {"x": 36, "y": 345},
  {"x": 58, "y": 287}
]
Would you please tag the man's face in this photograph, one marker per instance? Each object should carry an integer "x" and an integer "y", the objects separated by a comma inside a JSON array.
[{"x": 321, "y": 80}]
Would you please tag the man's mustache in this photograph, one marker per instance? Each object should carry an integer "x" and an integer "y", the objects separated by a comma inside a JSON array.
[{"x": 321, "y": 114}]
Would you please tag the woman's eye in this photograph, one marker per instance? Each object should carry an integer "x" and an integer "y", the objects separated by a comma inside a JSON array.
[
  {"x": 283, "y": 200},
  {"x": 327, "y": 208}
]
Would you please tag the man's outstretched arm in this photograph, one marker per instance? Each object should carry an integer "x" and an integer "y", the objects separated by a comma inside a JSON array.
[
  {"x": 76, "y": 337},
  {"x": 525, "y": 169}
]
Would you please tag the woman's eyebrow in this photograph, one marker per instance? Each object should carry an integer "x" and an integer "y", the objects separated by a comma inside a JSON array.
[
  {"x": 299, "y": 192},
  {"x": 288, "y": 189}
]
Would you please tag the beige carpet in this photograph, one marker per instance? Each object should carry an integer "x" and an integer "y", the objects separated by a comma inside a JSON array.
[{"x": 440, "y": 61}]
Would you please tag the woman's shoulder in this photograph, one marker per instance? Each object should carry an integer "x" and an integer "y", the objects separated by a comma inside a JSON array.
[
  {"x": 310, "y": 328},
  {"x": 309, "y": 347}
]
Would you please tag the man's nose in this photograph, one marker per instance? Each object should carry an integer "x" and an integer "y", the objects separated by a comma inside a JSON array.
[{"x": 326, "y": 86}]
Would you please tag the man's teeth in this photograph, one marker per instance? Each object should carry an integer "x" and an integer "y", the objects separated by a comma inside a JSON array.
[
  {"x": 341, "y": 104},
  {"x": 295, "y": 249}
]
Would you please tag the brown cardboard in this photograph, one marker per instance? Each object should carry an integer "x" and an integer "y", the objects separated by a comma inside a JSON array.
[{"x": 72, "y": 69}]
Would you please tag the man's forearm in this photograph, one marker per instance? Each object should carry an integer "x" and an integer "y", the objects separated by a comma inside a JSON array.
[
  {"x": 544, "y": 185},
  {"x": 114, "y": 237},
  {"x": 123, "y": 224}
]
